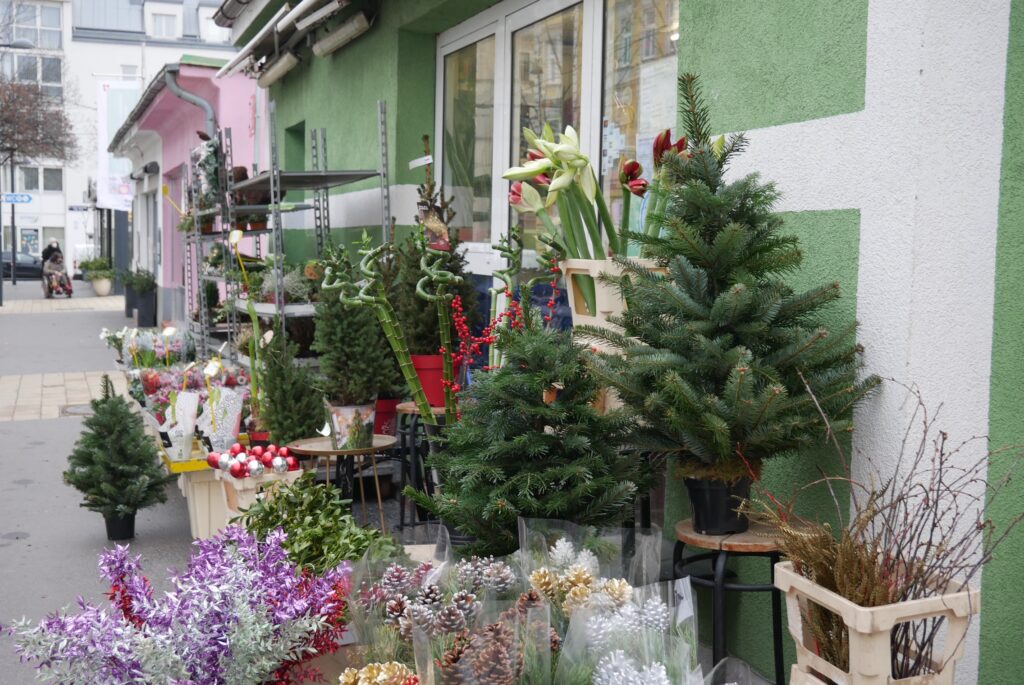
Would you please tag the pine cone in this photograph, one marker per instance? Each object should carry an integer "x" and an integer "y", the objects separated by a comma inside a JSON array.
[
  {"x": 618, "y": 590},
  {"x": 496, "y": 658},
  {"x": 394, "y": 610},
  {"x": 546, "y": 583},
  {"x": 372, "y": 597},
  {"x": 467, "y": 604},
  {"x": 419, "y": 576},
  {"x": 396, "y": 579},
  {"x": 556, "y": 641},
  {"x": 576, "y": 576},
  {"x": 455, "y": 668},
  {"x": 449, "y": 620},
  {"x": 431, "y": 596},
  {"x": 421, "y": 616},
  {"x": 498, "y": 576},
  {"x": 470, "y": 573},
  {"x": 576, "y": 598}
]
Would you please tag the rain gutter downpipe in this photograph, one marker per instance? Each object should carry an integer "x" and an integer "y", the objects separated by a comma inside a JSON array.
[{"x": 170, "y": 78}]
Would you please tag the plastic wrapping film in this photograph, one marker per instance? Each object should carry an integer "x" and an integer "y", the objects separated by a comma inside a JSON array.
[{"x": 225, "y": 405}]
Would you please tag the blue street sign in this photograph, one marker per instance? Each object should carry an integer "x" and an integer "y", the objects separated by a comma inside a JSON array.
[{"x": 17, "y": 198}]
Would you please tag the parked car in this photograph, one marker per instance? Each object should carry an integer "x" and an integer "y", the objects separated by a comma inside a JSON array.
[{"x": 29, "y": 266}]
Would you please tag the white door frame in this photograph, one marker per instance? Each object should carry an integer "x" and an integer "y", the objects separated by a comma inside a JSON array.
[{"x": 501, "y": 21}]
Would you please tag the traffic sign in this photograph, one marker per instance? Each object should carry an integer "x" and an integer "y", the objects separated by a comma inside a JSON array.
[{"x": 17, "y": 198}]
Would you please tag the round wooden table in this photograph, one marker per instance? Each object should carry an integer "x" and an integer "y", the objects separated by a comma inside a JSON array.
[
  {"x": 758, "y": 541},
  {"x": 324, "y": 447}
]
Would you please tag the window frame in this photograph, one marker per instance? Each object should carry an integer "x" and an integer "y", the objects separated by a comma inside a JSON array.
[
  {"x": 36, "y": 27},
  {"x": 502, "y": 21},
  {"x": 42, "y": 183}
]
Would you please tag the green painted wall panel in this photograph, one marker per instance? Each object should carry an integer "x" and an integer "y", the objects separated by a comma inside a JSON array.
[
  {"x": 1002, "y": 601},
  {"x": 831, "y": 243},
  {"x": 776, "y": 62}
]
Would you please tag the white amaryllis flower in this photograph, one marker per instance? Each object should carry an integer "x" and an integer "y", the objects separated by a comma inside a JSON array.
[{"x": 104, "y": 333}]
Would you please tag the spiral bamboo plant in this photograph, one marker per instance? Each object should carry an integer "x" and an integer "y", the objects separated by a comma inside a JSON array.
[
  {"x": 371, "y": 293},
  {"x": 431, "y": 264},
  {"x": 511, "y": 248}
]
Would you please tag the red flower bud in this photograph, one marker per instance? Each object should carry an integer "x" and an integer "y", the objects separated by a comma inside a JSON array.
[
  {"x": 630, "y": 170},
  {"x": 663, "y": 144},
  {"x": 543, "y": 180},
  {"x": 515, "y": 194},
  {"x": 533, "y": 155},
  {"x": 638, "y": 187}
]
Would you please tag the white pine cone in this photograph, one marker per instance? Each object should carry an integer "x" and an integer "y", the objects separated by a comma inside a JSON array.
[
  {"x": 396, "y": 579},
  {"x": 431, "y": 596},
  {"x": 562, "y": 554},
  {"x": 394, "y": 610},
  {"x": 655, "y": 615},
  {"x": 498, "y": 576},
  {"x": 422, "y": 616},
  {"x": 616, "y": 668},
  {"x": 449, "y": 620},
  {"x": 467, "y": 604}
]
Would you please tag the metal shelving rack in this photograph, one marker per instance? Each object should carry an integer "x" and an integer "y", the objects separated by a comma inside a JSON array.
[{"x": 275, "y": 182}]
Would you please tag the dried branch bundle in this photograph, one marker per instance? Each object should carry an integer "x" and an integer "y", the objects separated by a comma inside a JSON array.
[{"x": 918, "y": 533}]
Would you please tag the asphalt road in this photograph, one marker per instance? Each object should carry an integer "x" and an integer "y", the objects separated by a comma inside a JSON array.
[{"x": 49, "y": 546}]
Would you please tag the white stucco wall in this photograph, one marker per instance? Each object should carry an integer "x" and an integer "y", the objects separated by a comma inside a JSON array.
[{"x": 921, "y": 162}]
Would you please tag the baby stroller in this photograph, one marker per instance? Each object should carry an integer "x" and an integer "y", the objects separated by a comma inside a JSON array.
[{"x": 55, "y": 277}]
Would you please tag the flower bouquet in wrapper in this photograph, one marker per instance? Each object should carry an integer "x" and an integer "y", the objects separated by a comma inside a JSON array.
[
  {"x": 221, "y": 417},
  {"x": 506, "y": 643},
  {"x": 240, "y": 613},
  {"x": 173, "y": 414},
  {"x": 635, "y": 636},
  {"x": 572, "y": 565}
]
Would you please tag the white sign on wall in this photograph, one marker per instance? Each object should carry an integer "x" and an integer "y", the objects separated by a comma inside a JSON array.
[{"x": 114, "y": 102}]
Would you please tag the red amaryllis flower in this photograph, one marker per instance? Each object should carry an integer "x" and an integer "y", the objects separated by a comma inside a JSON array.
[
  {"x": 663, "y": 143},
  {"x": 638, "y": 186},
  {"x": 515, "y": 194},
  {"x": 543, "y": 180},
  {"x": 629, "y": 170},
  {"x": 532, "y": 154}
]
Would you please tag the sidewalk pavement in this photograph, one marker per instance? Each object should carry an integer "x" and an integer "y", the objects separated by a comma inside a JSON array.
[{"x": 51, "y": 357}]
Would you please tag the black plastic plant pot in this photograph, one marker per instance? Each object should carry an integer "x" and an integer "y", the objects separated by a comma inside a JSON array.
[
  {"x": 433, "y": 433},
  {"x": 120, "y": 527},
  {"x": 714, "y": 504},
  {"x": 129, "y": 302},
  {"x": 145, "y": 306}
]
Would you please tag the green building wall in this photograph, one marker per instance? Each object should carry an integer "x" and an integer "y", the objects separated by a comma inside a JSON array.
[{"x": 1002, "y": 601}]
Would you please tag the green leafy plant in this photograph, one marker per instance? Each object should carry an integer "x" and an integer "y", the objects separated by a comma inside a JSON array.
[
  {"x": 97, "y": 269},
  {"x": 531, "y": 444},
  {"x": 321, "y": 530},
  {"x": 115, "y": 464},
  {"x": 355, "y": 360},
  {"x": 293, "y": 407},
  {"x": 187, "y": 224},
  {"x": 142, "y": 281},
  {"x": 721, "y": 358}
]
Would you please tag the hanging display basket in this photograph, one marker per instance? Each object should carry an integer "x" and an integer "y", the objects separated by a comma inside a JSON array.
[
  {"x": 870, "y": 633},
  {"x": 583, "y": 276}
]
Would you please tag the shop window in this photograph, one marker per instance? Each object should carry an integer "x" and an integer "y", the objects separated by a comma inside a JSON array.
[
  {"x": 53, "y": 180},
  {"x": 29, "y": 181}
]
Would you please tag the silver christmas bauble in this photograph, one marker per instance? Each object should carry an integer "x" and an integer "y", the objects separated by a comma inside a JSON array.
[
  {"x": 224, "y": 462},
  {"x": 256, "y": 468},
  {"x": 279, "y": 465}
]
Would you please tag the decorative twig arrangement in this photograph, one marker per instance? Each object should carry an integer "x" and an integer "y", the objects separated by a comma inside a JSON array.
[{"x": 920, "y": 532}]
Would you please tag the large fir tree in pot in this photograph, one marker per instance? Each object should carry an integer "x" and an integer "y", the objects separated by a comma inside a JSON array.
[
  {"x": 519, "y": 452},
  {"x": 115, "y": 464},
  {"x": 724, "y": 363}
]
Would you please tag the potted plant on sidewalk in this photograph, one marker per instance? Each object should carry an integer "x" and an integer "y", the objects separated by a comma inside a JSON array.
[
  {"x": 126, "y": 276},
  {"x": 100, "y": 275},
  {"x": 144, "y": 286},
  {"x": 355, "y": 361},
  {"x": 291, "y": 405},
  {"x": 115, "y": 464},
  {"x": 721, "y": 358}
]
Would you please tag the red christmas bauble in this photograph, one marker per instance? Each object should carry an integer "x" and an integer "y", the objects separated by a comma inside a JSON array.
[
  {"x": 237, "y": 448},
  {"x": 267, "y": 459},
  {"x": 256, "y": 451},
  {"x": 239, "y": 470},
  {"x": 213, "y": 459},
  {"x": 284, "y": 452},
  {"x": 293, "y": 463}
]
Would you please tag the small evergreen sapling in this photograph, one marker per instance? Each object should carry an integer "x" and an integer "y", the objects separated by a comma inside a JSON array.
[
  {"x": 514, "y": 454},
  {"x": 721, "y": 358},
  {"x": 115, "y": 464},
  {"x": 293, "y": 407}
]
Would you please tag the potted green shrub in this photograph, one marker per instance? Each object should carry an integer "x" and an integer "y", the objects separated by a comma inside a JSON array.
[
  {"x": 355, "y": 361},
  {"x": 144, "y": 285},
  {"x": 99, "y": 274},
  {"x": 126, "y": 276},
  {"x": 720, "y": 357},
  {"x": 115, "y": 464},
  {"x": 521, "y": 450}
]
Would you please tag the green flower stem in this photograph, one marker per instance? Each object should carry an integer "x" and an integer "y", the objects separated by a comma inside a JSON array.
[
  {"x": 575, "y": 240},
  {"x": 627, "y": 198},
  {"x": 614, "y": 242},
  {"x": 585, "y": 209}
]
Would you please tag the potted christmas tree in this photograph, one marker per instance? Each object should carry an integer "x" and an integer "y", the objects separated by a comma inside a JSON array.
[
  {"x": 720, "y": 357},
  {"x": 355, "y": 361},
  {"x": 116, "y": 465},
  {"x": 291, "y": 406},
  {"x": 522, "y": 451}
]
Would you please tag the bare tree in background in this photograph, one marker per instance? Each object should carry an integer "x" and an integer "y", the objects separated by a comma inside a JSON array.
[{"x": 33, "y": 124}]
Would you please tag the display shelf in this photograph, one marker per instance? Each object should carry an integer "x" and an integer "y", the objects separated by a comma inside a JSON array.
[
  {"x": 305, "y": 180},
  {"x": 303, "y": 310}
]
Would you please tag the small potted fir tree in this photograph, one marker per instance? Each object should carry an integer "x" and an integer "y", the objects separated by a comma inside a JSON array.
[
  {"x": 355, "y": 361},
  {"x": 291, "y": 406},
  {"x": 116, "y": 465},
  {"x": 721, "y": 358}
]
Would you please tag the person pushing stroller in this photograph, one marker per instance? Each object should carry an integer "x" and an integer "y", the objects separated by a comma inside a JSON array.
[{"x": 55, "y": 273}]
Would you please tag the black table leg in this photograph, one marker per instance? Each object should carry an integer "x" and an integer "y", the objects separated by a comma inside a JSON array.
[
  {"x": 400, "y": 431},
  {"x": 780, "y": 666},
  {"x": 718, "y": 608}
]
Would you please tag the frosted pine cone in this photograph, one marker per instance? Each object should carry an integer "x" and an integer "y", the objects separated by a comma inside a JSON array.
[
  {"x": 419, "y": 576},
  {"x": 470, "y": 573},
  {"x": 618, "y": 590},
  {"x": 396, "y": 579},
  {"x": 546, "y": 583},
  {"x": 373, "y": 596},
  {"x": 562, "y": 554},
  {"x": 431, "y": 596},
  {"x": 588, "y": 560},
  {"x": 421, "y": 616},
  {"x": 467, "y": 604},
  {"x": 394, "y": 610},
  {"x": 576, "y": 576},
  {"x": 655, "y": 615},
  {"x": 576, "y": 598},
  {"x": 449, "y": 620},
  {"x": 498, "y": 576},
  {"x": 616, "y": 669}
]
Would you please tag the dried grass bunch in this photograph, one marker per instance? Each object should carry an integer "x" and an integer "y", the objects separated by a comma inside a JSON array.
[{"x": 918, "y": 533}]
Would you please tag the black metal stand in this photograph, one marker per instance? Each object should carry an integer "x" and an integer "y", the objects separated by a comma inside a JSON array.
[{"x": 719, "y": 586}]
